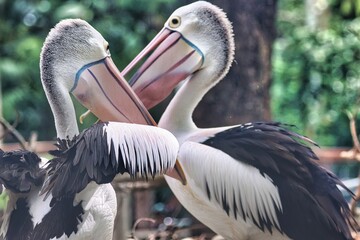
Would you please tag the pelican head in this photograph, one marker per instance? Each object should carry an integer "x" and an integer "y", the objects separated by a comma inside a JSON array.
[
  {"x": 196, "y": 39},
  {"x": 69, "y": 46},
  {"x": 75, "y": 59}
]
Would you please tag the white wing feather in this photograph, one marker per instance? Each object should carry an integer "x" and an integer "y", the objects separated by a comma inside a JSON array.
[
  {"x": 142, "y": 147},
  {"x": 242, "y": 185}
]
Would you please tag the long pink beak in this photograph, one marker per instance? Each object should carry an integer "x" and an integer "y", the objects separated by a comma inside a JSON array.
[
  {"x": 174, "y": 59},
  {"x": 100, "y": 87}
]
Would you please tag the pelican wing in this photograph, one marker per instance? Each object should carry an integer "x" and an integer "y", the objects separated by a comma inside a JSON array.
[
  {"x": 234, "y": 187},
  {"x": 284, "y": 188},
  {"x": 106, "y": 149},
  {"x": 269, "y": 147},
  {"x": 265, "y": 173},
  {"x": 20, "y": 170}
]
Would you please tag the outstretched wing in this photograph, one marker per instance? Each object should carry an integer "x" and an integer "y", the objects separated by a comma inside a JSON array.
[
  {"x": 106, "y": 149},
  {"x": 267, "y": 174},
  {"x": 20, "y": 170}
]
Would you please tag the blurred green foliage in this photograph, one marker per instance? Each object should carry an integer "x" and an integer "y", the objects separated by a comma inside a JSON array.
[
  {"x": 346, "y": 8},
  {"x": 3, "y": 200},
  {"x": 128, "y": 25},
  {"x": 316, "y": 74}
]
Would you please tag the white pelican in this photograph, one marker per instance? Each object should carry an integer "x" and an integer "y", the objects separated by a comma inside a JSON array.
[
  {"x": 250, "y": 181},
  {"x": 75, "y": 59}
]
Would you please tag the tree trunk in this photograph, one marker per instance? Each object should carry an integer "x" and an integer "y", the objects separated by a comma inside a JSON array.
[{"x": 243, "y": 95}]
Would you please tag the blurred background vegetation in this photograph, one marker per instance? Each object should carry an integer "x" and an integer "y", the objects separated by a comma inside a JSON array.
[
  {"x": 315, "y": 62},
  {"x": 316, "y": 71},
  {"x": 316, "y": 67}
]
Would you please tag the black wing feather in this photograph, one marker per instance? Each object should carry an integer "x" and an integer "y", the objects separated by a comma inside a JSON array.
[
  {"x": 77, "y": 163},
  {"x": 312, "y": 205},
  {"x": 83, "y": 159},
  {"x": 20, "y": 170}
]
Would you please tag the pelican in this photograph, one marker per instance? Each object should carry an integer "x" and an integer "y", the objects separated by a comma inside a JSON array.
[
  {"x": 75, "y": 59},
  {"x": 250, "y": 181}
]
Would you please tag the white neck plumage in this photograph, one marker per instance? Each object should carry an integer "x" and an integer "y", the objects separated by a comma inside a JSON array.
[
  {"x": 177, "y": 117},
  {"x": 63, "y": 110}
]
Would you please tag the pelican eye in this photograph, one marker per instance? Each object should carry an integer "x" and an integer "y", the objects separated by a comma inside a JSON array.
[
  {"x": 175, "y": 22},
  {"x": 107, "y": 47}
]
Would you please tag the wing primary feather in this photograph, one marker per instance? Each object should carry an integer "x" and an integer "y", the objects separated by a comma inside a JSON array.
[{"x": 106, "y": 149}]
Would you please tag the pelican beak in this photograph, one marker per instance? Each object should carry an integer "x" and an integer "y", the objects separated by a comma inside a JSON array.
[
  {"x": 177, "y": 173},
  {"x": 158, "y": 76},
  {"x": 100, "y": 87},
  {"x": 174, "y": 59}
]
